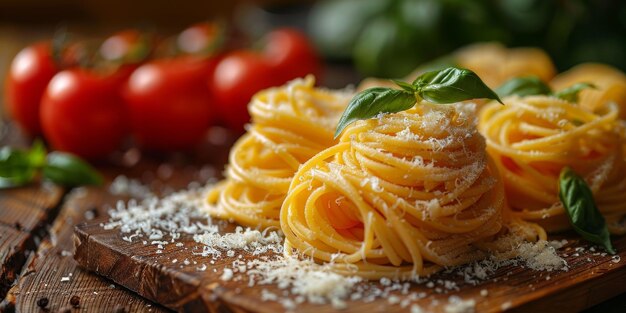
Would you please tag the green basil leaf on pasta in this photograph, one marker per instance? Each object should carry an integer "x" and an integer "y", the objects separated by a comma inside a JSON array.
[
  {"x": 570, "y": 94},
  {"x": 445, "y": 86},
  {"x": 524, "y": 86},
  {"x": 372, "y": 102},
  {"x": 586, "y": 219},
  {"x": 68, "y": 170},
  {"x": 452, "y": 85},
  {"x": 404, "y": 85}
]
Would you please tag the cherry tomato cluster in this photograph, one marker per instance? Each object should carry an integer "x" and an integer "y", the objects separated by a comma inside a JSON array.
[{"x": 88, "y": 105}]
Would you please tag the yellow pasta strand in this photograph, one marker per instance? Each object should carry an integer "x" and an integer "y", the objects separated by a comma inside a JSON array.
[
  {"x": 290, "y": 124},
  {"x": 532, "y": 138},
  {"x": 402, "y": 195}
]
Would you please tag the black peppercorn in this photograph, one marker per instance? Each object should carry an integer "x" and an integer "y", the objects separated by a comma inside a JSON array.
[
  {"x": 42, "y": 302},
  {"x": 75, "y": 301}
]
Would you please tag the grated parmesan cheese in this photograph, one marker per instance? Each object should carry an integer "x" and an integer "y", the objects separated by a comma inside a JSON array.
[
  {"x": 416, "y": 309},
  {"x": 227, "y": 274},
  {"x": 292, "y": 280},
  {"x": 541, "y": 257},
  {"x": 458, "y": 305}
]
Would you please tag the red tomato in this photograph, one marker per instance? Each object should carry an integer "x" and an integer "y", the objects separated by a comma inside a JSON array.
[
  {"x": 29, "y": 74},
  {"x": 236, "y": 79},
  {"x": 83, "y": 112},
  {"x": 170, "y": 103},
  {"x": 287, "y": 55},
  {"x": 291, "y": 54}
]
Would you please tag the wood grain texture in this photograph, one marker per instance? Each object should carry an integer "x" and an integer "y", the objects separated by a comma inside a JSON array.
[
  {"x": 14, "y": 245},
  {"x": 51, "y": 273},
  {"x": 24, "y": 214},
  {"x": 591, "y": 278},
  {"x": 29, "y": 208}
]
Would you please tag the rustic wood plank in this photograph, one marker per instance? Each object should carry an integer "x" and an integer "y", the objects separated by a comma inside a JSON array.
[
  {"x": 592, "y": 278},
  {"x": 14, "y": 245},
  {"x": 24, "y": 214},
  {"x": 29, "y": 208},
  {"x": 52, "y": 273}
]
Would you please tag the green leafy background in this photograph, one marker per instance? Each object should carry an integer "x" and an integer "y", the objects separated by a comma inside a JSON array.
[{"x": 389, "y": 38}]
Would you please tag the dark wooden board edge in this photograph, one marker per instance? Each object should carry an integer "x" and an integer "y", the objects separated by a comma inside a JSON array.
[
  {"x": 581, "y": 287},
  {"x": 135, "y": 273}
]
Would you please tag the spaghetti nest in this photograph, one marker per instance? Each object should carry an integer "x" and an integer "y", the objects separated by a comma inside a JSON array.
[
  {"x": 399, "y": 196},
  {"x": 290, "y": 124},
  {"x": 532, "y": 139}
]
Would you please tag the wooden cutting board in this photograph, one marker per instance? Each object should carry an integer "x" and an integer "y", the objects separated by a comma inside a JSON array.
[{"x": 592, "y": 278}]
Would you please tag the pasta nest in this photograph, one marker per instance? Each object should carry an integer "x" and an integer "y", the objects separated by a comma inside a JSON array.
[
  {"x": 531, "y": 139},
  {"x": 400, "y": 195},
  {"x": 290, "y": 124}
]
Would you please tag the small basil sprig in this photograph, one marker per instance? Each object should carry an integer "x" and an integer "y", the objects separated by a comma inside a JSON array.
[
  {"x": 532, "y": 85},
  {"x": 444, "y": 86},
  {"x": 570, "y": 94},
  {"x": 523, "y": 86},
  {"x": 19, "y": 167},
  {"x": 586, "y": 219}
]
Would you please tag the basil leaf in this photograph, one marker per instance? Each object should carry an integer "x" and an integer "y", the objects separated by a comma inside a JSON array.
[
  {"x": 586, "y": 219},
  {"x": 68, "y": 170},
  {"x": 370, "y": 102},
  {"x": 452, "y": 85},
  {"x": 404, "y": 85},
  {"x": 523, "y": 86},
  {"x": 15, "y": 168},
  {"x": 570, "y": 94}
]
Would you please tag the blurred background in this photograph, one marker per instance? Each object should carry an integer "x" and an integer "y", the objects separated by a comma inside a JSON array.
[{"x": 385, "y": 38}]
